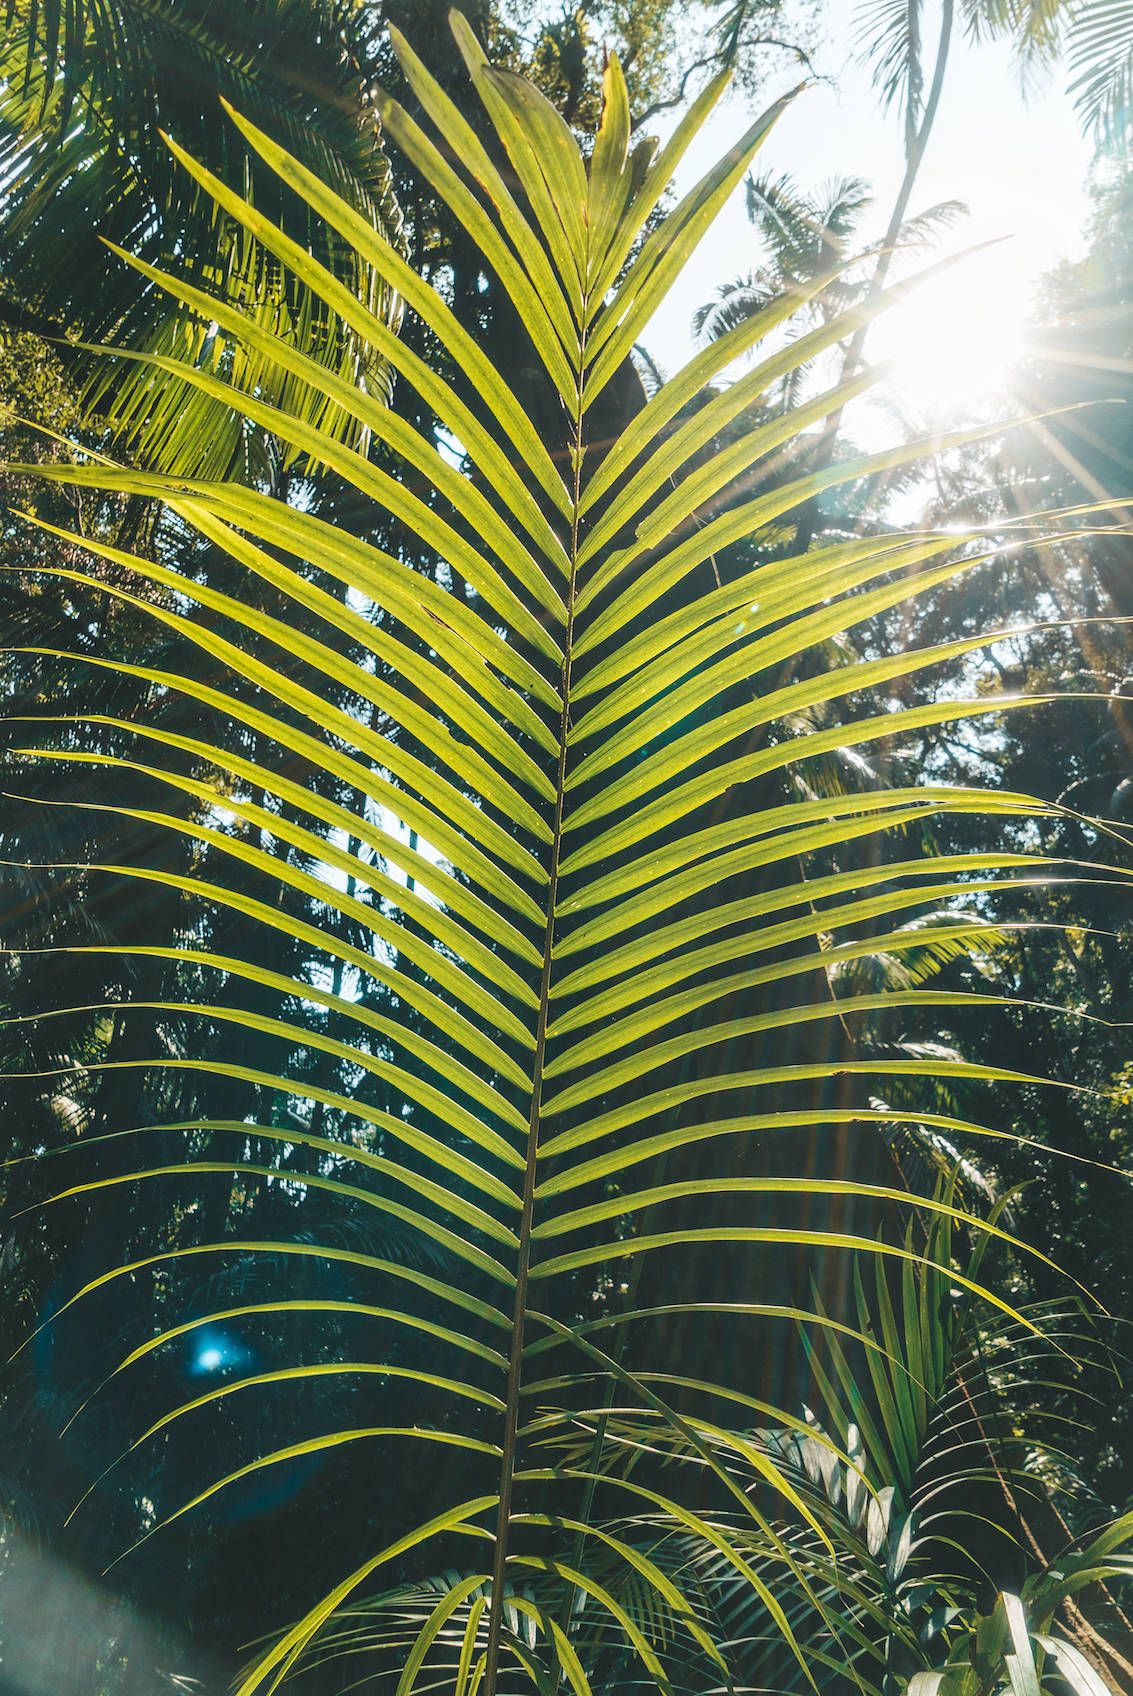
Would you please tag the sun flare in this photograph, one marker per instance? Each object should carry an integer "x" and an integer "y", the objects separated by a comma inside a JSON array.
[{"x": 951, "y": 347}]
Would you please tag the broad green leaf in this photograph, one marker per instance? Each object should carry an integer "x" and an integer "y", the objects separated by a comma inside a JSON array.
[
  {"x": 1021, "y": 1663},
  {"x": 931, "y": 1684},
  {"x": 1082, "y": 1678}
]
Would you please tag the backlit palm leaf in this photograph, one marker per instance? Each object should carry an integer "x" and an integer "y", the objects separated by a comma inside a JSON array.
[
  {"x": 86, "y": 87},
  {"x": 915, "y": 1465},
  {"x": 597, "y": 954}
]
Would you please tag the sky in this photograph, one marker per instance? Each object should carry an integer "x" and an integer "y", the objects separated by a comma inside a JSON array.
[{"x": 1020, "y": 162}]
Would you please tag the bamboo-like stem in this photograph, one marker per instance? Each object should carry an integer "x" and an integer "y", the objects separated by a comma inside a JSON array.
[{"x": 916, "y": 147}]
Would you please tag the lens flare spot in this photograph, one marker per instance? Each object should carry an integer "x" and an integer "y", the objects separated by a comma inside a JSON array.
[
  {"x": 951, "y": 347},
  {"x": 215, "y": 1351}
]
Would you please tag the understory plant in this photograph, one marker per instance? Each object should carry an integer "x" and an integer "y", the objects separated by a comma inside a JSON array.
[{"x": 567, "y": 1086}]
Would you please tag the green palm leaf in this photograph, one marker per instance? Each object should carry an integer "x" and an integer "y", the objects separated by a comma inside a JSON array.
[
  {"x": 87, "y": 89},
  {"x": 583, "y": 731}
]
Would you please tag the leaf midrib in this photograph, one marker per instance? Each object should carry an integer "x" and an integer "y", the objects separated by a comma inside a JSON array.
[{"x": 526, "y": 1222}]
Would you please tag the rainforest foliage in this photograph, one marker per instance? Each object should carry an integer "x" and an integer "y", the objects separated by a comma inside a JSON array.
[{"x": 565, "y": 982}]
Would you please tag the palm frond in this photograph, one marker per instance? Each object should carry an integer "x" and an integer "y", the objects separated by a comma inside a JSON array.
[
  {"x": 1099, "y": 52},
  {"x": 890, "y": 42},
  {"x": 600, "y": 979},
  {"x": 86, "y": 92}
]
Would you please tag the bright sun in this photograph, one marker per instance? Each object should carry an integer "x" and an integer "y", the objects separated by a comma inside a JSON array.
[{"x": 951, "y": 346}]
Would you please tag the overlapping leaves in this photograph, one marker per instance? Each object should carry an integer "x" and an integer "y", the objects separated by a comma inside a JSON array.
[
  {"x": 85, "y": 91},
  {"x": 596, "y": 954}
]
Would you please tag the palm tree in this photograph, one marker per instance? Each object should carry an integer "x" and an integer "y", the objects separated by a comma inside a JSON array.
[
  {"x": 1099, "y": 51},
  {"x": 909, "y": 71},
  {"x": 85, "y": 91},
  {"x": 812, "y": 257},
  {"x": 566, "y": 1018},
  {"x": 892, "y": 37},
  {"x": 805, "y": 237}
]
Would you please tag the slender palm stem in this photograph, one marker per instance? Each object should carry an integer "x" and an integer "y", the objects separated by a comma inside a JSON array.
[{"x": 914, "y": 157}]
